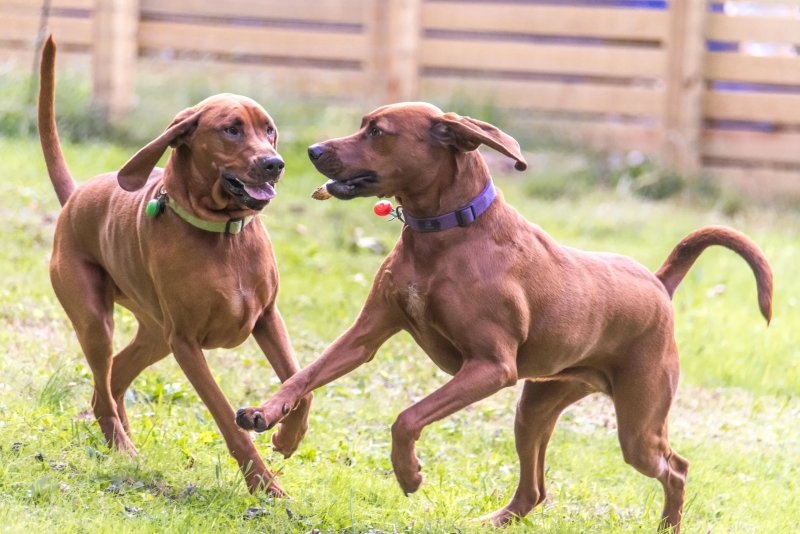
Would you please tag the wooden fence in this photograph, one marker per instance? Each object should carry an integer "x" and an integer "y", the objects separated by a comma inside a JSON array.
[{"x": 691, "y": 81}]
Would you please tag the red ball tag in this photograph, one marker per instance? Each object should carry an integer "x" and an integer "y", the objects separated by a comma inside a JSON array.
[{"x": 382, "y": 208}]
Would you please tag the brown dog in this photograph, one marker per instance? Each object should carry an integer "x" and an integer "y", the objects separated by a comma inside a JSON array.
[
  {"x": 196, "y": 275},
  {"x": 495, "y": 299}
]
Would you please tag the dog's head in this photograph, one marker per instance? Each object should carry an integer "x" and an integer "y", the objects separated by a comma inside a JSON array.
[
  {"x": 404, "y": 148},
  {"x": 226, "y": 146}
]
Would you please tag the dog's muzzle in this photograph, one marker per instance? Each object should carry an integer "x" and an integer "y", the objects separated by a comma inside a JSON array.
[{"x": 362, "y": 185}]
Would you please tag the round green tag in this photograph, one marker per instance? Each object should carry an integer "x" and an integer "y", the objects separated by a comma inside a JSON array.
[{"x": 153, "y": 208}]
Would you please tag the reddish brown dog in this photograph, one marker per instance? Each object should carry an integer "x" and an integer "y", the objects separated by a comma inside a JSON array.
[
  {"x": 499, "y": 300},
  {"x": 190, "y": 288}
]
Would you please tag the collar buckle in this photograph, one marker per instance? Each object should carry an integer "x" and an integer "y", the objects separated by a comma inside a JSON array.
[
  {"x": 234, "y": 226},
  {"x": 466, "y": 216}
]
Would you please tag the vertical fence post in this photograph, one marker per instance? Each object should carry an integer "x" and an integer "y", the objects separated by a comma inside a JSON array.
[
  {"x": 395, "y": 27},
  {"x": 114, "y": 56},
  {"x": 684, "y": 77}
]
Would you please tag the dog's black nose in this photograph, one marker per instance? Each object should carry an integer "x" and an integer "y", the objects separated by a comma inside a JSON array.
[
  {"x": 273, "y": 165},
  {"x": 315, "y": 151}
]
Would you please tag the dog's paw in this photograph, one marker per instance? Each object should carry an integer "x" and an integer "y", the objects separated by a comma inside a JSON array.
[
  {"x": 519, "y": 507},
  {"x": 410, "y": 477},
  {"x": 293, "y": 428},
  {"x": 285, "y": 441},
  {"x": 499, "y": 518},
  {"x": 115, "y": 435},
  {"x": 265, "y": 481},
  {"x": 260, "y": 418}
]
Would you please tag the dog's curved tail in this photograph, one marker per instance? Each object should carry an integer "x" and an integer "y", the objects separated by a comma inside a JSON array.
[
  {"x": 48, "y": 134},
  {"x": 686, "y": 252}
]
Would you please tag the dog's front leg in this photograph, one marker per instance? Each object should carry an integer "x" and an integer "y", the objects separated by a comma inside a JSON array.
[
  {"x": 374, "y": 325},
  {"x": 271, "y": 335},
  {"x": 476, "y": 380},
  {"x": 190, "y": 357}
]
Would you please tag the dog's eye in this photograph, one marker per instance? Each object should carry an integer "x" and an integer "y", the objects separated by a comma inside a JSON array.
[
  {"x": 233, "y": 131},
  {"x": 374, "y": 131},
  {"x": 270, "y": 131}
]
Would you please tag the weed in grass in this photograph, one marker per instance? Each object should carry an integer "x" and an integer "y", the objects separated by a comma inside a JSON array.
[
  {"x": 57, "y": 390},
  {"x": 730, "y": 204},
  {"x": 561, "y": 174},
  {"x": 644, "y": 178}
]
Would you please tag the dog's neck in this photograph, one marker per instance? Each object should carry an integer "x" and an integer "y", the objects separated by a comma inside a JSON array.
[
  {"x": 456, "y": 184},
  {"x": 185, "y": 182}
]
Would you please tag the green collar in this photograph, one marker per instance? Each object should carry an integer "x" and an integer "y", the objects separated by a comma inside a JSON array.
[{"x": 233, "y": 226}]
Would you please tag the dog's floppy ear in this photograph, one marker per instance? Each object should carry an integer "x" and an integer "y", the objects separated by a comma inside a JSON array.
[
  {"x": 135, "y": 172},
  {"x": 466, "y": 134}
]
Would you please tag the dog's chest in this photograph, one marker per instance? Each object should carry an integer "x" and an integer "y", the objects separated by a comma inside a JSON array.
[
  {"x": 231, "y": 315},
  {"x": 415, "y": 303},
  {"x": 221, "y": 306},
  {"x": 240, "y": 301}
]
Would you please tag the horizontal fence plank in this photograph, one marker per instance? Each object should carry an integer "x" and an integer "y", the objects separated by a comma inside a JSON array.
[
  {"x": 21, "y": 58},
  {"x": 603, "y": 135},
  {"x": 550, "y": 96},
  {"x": 561, "y": 59},
  {"x": 297, "y": 80},
  {"x": 741, "y": 68},
  {"x": 36, "y": 6},
  {"x": 275, "y": 42},
  {"x": 753, "y": 28},
  {"x": 759, "y": 183},
  {"x": 609, "y": 23},
  {"x": 343, "y": 11},
  {"x": 65, "y": 30},
  {"x": 758, "y": 146},
  {"x": 763, "y": 107}
]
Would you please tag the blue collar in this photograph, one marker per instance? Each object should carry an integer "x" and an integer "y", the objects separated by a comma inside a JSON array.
[{"x": 461, "y": 217}]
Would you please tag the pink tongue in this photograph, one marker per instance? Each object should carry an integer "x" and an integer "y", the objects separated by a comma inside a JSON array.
[{"x": 261, "y": 192}]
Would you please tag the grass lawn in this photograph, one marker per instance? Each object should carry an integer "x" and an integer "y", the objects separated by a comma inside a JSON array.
[{"x": 736, "y": 418}]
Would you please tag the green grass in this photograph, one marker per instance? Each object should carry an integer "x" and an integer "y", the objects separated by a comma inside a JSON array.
[{"x": 735, "y": 418}]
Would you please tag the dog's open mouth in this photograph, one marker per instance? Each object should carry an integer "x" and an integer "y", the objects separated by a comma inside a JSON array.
[
  {"x": 360, "y": 185},
  {"x": 253, "y": 196}
]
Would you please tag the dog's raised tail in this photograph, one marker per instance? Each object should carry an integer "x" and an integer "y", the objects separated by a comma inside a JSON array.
[
  {"x": 48, "y": 134},
  {"x": 686, "y": 252}
]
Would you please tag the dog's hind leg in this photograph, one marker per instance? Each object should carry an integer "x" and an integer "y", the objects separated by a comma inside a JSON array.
[
  {"x": 146, "y": 348},
  {"x": 538, "y": 409},
  {"x": 643, "y": 395},
  {"x": 86, "y": 293}
]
